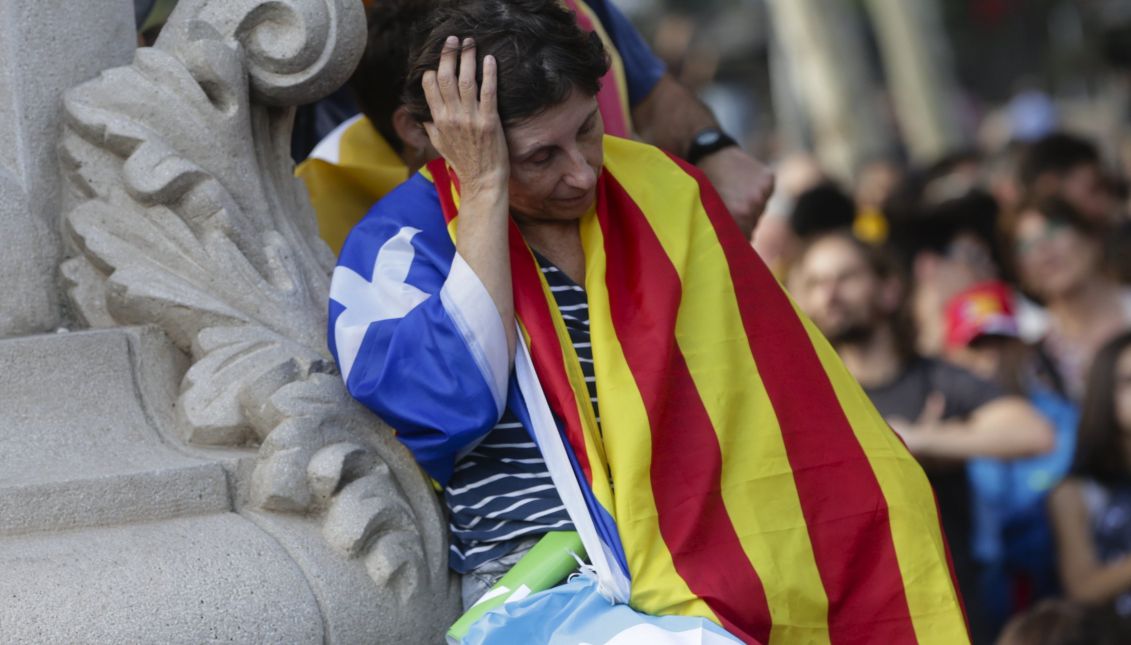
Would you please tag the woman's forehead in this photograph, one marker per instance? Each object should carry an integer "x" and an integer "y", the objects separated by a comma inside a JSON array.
[{"x": 553, "y": 125}]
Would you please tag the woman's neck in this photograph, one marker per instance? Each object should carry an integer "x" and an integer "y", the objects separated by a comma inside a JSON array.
[
  {"x": 1097, "y": 303},
  {"x": 557, "y": 241}
]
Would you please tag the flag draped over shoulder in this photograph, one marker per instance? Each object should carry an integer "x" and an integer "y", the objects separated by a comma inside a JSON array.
[{"x": 739, "y": 473}]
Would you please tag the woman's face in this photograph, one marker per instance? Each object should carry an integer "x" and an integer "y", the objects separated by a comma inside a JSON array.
[
  {"x": 556, "y": 157},
  {"x": 1053, "y": 259},
  {"x": 1122, "y": 394}
]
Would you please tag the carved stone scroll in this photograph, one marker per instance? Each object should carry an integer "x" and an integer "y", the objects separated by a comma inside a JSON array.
[{"x": 188, "y": 218}]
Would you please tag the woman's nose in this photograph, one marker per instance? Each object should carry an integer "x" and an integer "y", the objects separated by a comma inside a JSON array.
[{"x": 580, "y": 174}]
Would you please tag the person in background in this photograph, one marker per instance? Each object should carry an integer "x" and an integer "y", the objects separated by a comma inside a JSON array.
[
  {"x": 948, "y": 242},
  {"x": 1012, "y": 537},
  {"x": 1069, "y": 167},
  {"x": 876, "y": 179},
  {"x": 1060, "y": 622},
  {"x": 1059, "y": 258},
  {"x": 823, "y": 207},
  {"x": 1091, "y": 509},
  {"x": 774, "y": 239},
  {"x": 946, "y": 415},
  {"x": 638, "y": 97}
]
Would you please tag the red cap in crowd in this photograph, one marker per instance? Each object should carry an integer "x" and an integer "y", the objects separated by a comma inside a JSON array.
[{"x": 985, "y": 309}]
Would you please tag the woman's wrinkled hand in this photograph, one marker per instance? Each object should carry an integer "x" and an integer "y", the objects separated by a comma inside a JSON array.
[{"x": 465, "y": 125}]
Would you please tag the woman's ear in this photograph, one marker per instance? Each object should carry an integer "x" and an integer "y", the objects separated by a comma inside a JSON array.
[{"x": 418, "y": 148}]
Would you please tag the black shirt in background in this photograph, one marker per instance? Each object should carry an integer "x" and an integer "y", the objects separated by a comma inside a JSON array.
[{"x": 964, "y": 392}]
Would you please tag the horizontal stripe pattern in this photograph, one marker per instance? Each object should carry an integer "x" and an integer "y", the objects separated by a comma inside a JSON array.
[{"x": 501, "y": 491}]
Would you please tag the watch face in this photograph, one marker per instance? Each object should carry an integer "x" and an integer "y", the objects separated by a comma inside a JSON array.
[{"x": 708, "y": 138}]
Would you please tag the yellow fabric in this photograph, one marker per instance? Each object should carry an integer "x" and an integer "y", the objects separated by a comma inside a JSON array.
[
  {"x": 615, "y": 383},
  {"x": 773, "y": 533},
  {"x": 870, "y": 226},
  {"x": 342, "y": 193},
  {"x": 760, "y": 494},
  {"x": 916, "y": 531}
]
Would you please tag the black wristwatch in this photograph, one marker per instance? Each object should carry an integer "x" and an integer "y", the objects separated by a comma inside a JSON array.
[{"x": 707, "y": 141}]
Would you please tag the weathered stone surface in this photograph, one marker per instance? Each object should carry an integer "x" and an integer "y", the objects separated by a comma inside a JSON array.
[
  {"x": 204, "y": 579},
  {"x": 186, "y": 218},
  {"x": 45, "y": 49},
  {"x": 113, "y": 530},
  {"x": 77, "y": 451}
]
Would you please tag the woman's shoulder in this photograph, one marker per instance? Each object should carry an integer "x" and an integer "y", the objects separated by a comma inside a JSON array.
[
  {"x": 1079, "y": 492},
  {"x": 411, "y": 209},
  {"x": 413, "y": 203}
]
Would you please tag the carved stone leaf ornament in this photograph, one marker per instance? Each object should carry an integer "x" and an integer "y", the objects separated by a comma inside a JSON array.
[{"x": 188, "y": 217}]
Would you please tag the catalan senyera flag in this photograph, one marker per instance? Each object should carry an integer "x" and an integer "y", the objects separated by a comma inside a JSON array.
[
  {"x": 739, "y": 473},
  {"x": 354, "y": 166}
]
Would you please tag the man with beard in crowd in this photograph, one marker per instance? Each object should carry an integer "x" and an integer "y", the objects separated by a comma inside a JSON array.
[{"x": 855, "y": 295}]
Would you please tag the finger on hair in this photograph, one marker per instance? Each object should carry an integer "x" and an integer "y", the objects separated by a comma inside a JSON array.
[
  {"x": 467, "y": 88},
  {"x": 488, "y": 90},
  {"x": 446, "y": 72},
  {"x": 433, "y": 133},
  {"x": 432, "y": 92}
]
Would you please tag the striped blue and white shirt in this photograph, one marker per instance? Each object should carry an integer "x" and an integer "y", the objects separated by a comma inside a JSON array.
[
  {"x": 500, "y": 492},
  {"x": 420, "y": 342}
]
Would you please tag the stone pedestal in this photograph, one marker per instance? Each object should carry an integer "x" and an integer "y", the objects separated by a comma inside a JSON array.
[
  {"x": 190, "y": 469},
  {"x": 114, "y": 531},
  {"x": 46, "y": 48}
]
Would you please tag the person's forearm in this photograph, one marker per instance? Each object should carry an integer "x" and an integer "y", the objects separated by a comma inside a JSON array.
[
  {"x": 484, "y": 217},
  {"x": 670, "y": 116},
  {"x": 1011, "y": 428},
  {"x": 1102, "y": 584},
  {"x": 1005, "y": 433}
]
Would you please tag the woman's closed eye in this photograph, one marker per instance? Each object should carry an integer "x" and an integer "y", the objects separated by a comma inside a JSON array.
[{"x": 541, "y": 158}]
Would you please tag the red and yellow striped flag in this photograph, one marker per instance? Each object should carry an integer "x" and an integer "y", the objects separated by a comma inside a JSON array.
[{"x": 748, "y": 477}]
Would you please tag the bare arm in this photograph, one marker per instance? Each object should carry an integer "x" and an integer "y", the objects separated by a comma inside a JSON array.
[
  {"x": 466, "y": 130},
  {"x": 1005, "y": 428},
  {"x": 670, "y": 117},
  {"x": 1085, "y": 578}
]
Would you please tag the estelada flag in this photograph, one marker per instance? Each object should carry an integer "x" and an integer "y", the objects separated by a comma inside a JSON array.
[{"x": 738, "y": 471}]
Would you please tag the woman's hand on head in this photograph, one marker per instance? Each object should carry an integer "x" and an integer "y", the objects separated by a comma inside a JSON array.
[{"x": 465, "y": 126}]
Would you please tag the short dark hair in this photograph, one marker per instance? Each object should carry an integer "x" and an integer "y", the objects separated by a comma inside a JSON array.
[
  {"x": 378, "y": 82},
  {"x": 821, "y": 208},
  {"x": 933, "y": 227},
  {"x": 1056, "y": 153},
  {"x": 542, "y": 54},
  {"x": 1099, "y": 451}
]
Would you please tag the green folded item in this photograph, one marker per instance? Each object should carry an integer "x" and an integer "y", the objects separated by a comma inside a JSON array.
[{"x": 545, "y": 565}]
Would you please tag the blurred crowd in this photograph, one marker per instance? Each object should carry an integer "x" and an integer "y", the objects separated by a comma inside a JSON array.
[
  {"x": 983, "y": 300},
  {"x": 983, "y": 303}
]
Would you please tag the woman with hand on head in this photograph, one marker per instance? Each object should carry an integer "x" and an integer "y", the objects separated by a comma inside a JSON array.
[{"x": 570, "y": 332}]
